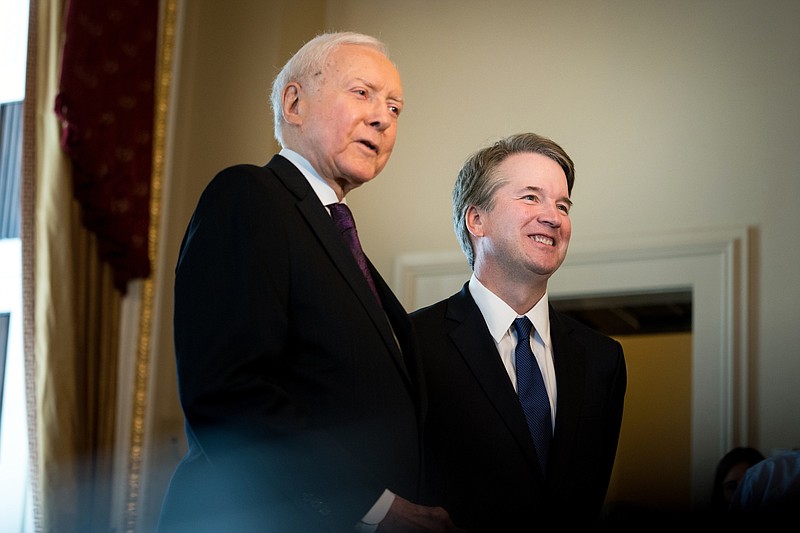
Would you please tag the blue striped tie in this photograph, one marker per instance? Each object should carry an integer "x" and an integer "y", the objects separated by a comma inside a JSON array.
[{"x": 532, "y": 392}]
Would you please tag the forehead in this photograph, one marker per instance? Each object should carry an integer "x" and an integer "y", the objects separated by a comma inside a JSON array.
[
  {"x": 350, "y": 61},
  {"x": 530, "y": 169}
]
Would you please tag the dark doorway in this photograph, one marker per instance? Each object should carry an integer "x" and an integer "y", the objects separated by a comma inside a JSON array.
[{"x": 633, "y": 314}]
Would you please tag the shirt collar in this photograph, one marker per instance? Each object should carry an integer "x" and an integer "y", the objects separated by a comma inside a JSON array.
[
  {"x": 499, "y": 316},
  {"x": 324, "y": 191}
]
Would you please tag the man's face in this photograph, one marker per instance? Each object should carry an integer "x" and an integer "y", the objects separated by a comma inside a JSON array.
[
  {"x": 526, "y": 235},
  {"x": 349, "y": 116}
]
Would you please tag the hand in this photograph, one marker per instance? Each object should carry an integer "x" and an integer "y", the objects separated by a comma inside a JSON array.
[{"x": 407, "y": 517}]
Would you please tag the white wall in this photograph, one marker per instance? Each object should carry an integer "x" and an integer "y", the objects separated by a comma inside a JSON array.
[{"x": 680, "y": 116}]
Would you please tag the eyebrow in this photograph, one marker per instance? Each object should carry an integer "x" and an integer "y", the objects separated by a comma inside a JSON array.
[
  {"x": 534, "y": 188},
  {"x": 371, "y": 85}
]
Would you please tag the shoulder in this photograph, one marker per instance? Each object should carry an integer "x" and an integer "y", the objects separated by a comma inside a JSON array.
[
  {"x": 238, "y": 200},
  {"x": 429, "y": 320},
  {"x": 429, "y": 311},
  {"x": 240, "y": 185},
  {"x": 241, "y": 175},
  {"x": 565, "y": 324},
  {"x": 771, "y": 484},
  {"x": 456, "y": 308}
]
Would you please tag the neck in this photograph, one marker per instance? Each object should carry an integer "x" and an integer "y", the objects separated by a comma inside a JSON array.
[{"x": 520, "y": 296}]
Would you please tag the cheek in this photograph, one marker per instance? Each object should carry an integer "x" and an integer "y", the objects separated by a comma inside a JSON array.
[
  {"x": 390, "y": 135},
  {"x": 566, "y": 229},
  {"x": 331, "y": 123}
]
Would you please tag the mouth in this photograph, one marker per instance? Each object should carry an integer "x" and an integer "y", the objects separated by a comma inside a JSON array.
[
  {"x": 544, "y": 239},
  {"x": 369, "y": 145}
]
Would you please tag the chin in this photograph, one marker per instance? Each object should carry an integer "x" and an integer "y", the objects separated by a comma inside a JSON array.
[{"x": 360, "y": 178}]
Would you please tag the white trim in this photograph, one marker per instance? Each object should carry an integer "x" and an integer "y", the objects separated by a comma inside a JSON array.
[
  {"x": 713, "y": 264},
  {"x": 130, "y": 311}
]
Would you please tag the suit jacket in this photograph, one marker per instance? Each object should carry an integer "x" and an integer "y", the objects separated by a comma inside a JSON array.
[
  {"x": 300, "y": 407},
  {"x": 480, "y": 459}
]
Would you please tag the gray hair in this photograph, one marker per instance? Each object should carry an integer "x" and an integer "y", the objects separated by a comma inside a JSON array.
[
  {"x": 308, "y": 62},
  {"x": 477, "y": 182}
]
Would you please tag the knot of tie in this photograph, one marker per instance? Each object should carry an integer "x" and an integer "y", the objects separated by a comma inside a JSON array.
[
  {"x": 342, "y": 217},
  {"x": 523, "y": 327}
]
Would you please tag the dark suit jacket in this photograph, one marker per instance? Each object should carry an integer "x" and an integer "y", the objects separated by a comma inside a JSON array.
[
  {"x": 300, "y": 408},
  {"x": 481, "y": 464}
]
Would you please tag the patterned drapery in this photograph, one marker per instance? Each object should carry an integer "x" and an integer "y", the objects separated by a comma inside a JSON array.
[{"x": 105, "y": 102}]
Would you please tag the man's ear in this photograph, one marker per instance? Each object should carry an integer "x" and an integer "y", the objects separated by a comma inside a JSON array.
[
  {"x": 474, "y": 221},
  {"x": 290, "y": 103}
]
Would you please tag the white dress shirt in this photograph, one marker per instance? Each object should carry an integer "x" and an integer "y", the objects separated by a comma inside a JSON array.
[{"x": 499, "y": 317}]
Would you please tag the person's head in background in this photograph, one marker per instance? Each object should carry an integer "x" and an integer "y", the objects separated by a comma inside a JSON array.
[
  {"x": 336, "y": 102},
  {"x": 729, "y": 472}
]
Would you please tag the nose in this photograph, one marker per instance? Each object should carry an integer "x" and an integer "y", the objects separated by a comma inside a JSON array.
[
  {"x": 550, "y": 215},
  {"x": 380, "y": 117}
]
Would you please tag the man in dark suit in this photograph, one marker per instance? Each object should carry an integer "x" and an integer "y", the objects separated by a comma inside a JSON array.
[
  {"x": 301, "y": 389},
  {"x": 511, "y": 205}
]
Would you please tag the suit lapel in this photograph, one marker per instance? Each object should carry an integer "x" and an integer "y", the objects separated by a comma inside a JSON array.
[
  {"x": 569, "y": 359},
  {"x": 314, "y": 213},
  {"x": 476, "y": 346}
]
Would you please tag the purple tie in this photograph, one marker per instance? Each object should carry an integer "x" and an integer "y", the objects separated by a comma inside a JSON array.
[
  {"x": 343, "y": 219},
  {"x": 532, "y": 392}
]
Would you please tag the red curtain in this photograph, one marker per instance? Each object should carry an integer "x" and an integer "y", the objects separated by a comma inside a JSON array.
[{"x": 105, "y": 102}]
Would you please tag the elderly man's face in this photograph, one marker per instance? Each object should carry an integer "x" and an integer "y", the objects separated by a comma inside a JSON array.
[{"x": 349, "y": 116}]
